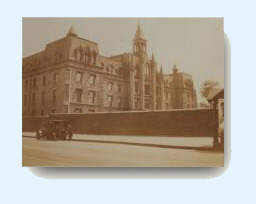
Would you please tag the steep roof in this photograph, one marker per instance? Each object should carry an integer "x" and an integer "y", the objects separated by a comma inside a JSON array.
[{"x": 215, "y": 93}]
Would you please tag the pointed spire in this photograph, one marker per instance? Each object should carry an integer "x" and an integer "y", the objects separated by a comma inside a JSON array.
[
  {"x": 139, "y": 34},
  {"x": 72, "y": 31},
  {"x": 153, "y": 58},
  {"x": 161, "y": 70}
]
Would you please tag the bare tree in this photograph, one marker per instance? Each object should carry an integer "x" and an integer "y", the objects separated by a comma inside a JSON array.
[{"x": 207, "y": 87}]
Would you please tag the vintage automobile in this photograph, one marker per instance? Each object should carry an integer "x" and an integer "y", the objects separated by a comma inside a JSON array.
[{"x": 54, "y": 130}]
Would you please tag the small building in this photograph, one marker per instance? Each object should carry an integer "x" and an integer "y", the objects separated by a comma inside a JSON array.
[{"x": 216, "y": 99}]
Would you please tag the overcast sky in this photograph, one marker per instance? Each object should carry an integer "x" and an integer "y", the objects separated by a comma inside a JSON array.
[{"x": 195, "y": 45}]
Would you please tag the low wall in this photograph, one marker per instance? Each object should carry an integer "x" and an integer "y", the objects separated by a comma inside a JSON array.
[
  {"x": 192, "y": 122},
  {"x": 32, "y": 123}
]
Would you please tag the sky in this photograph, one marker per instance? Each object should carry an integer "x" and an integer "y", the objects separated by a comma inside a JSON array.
[{"x": 195, "y": 45}]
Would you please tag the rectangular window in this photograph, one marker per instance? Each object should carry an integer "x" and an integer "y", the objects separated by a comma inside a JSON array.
[
  {"x": 136, "y": 103},
  {"x": 34, "y": 83},
  {"x": 43, "y": 97},
  {"x": 53, "y": 110},
  {"x": 67, "y": 92},
  {"x": 147, "y": 104},
  {"x": 33, "y": 98},
  {"x": 44, "y": 80},
  {"x": 25, "y": 99},
  {"x": 158, "y": 90},
  {"x": 166, "y": 95},
  {"x": 79, "y": 95},
  {"x": 166, "y": 105},
  {"x": 42, "y": 112},
  {"x": 119, "y": 88},
  {"x": 136, "y": 87},
  {"x": 55, "y": 78},
  {"x": 110, "y": 86},
  {"x": 79, "y": 76},
  {"x": 110, "y": 101},
  {"x": 54, "y": 96},
  {"x": 147, "y": 89},
  {"x": 92, "y": 79},
  {"x": 92, "y": 97},
  {"x": 26, "y": 84},
  {"x": 119, "y": 102}
]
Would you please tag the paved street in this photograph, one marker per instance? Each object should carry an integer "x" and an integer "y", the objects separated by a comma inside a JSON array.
[{"x": 90, "y": 150}]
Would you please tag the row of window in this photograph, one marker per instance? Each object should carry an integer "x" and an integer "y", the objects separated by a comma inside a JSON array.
[
  {"x": 54, "y": 97},
  {"x": 44, "y": 112},
  {"x": 85, "y": 55},
  {"x": 190, "y": 97},
  {"x": 147, "y": 103},
  {"x": 111, "y": 70},
  {"x": 79, "y": 78},
  {"x": 92, "y": 98},
  {"x": 34, "y": 83},
  {"x": 43, "y": 62},
  {"x": 92, "y": 80},
  {"x": 147, "y": 88}
]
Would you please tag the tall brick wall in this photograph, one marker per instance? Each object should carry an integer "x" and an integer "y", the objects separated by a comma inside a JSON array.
[
  {"x": 32, "y": 123},
  {"x": 194, "y": 122}
]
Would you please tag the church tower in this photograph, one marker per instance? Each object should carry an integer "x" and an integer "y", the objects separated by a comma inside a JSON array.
[{"x": 140, "y": 50}]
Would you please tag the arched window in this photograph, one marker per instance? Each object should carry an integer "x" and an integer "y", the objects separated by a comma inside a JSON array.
[
  {"x": 147, "y": 71},
  {"x": 94, "y": 55},
  {"x": 137, "y": 73}
]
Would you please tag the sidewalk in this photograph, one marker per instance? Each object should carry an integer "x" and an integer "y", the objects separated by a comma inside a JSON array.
[{"x": 171, "y": 141}]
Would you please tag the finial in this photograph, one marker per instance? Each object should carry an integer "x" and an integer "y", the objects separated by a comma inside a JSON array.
[
  {"x": 175, "y": 70},
  {"x": 153, "y": 57},
  {"x": 72, "y": 31},
  {"x": 161, "y": 70}
]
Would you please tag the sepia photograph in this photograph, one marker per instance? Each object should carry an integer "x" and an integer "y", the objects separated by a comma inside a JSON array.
[{"x": 122, "y": 92}]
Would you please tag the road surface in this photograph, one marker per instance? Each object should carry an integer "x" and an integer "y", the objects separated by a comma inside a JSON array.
[{"x": 130, "y": 151}]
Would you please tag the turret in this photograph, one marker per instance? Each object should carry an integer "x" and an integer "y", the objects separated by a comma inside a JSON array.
[
  {"x": 174, "y": 69},
  {"x": 139, "y": 42}
]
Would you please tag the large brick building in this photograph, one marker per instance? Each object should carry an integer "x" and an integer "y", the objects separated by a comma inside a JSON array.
[{"x": 71, "y": 76}]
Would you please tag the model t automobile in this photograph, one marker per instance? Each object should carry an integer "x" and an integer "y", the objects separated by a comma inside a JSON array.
[{"x": 55, "y": 130}]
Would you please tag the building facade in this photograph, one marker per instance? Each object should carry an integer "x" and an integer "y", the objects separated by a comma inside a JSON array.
[{"x": 71, "y": 76}]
